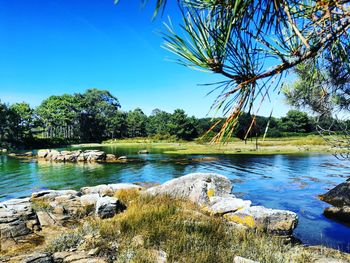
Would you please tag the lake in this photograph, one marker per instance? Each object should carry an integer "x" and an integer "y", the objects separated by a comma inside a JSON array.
[{"x": 290, "y": 182}]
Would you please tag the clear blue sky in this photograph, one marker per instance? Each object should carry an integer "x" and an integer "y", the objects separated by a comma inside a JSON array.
[{"x": 51, "y": 47}]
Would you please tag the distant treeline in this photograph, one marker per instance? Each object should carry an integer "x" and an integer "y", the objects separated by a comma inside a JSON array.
[{"x": 95, "y": 116}]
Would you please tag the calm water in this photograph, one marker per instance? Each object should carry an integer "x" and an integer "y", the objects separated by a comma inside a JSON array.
[{"x": 290, "y": 182}]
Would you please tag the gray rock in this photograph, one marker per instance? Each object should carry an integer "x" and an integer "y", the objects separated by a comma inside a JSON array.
[
  {"x": 223, "y": 205},
  {"x": 76, "y": 257},
  {"x": 270, "y": 220},
  {"x": 43, "y": 153},
  {"x": 338, "y": 213},
  {"x": 107, "y": 207},
  {"x": 121, "y": 158},
  {"x": 17, "y": 220},
  {"x": 196, "y": 187},
  {"x": 108, "y": 190},
  {"x": 143, "y": 152},
  {"x": 38, "y": 258},
  {"x": 94, "y": 155},
  {"x": 89, "y": 199},
  {"x": 339, "y": 195},
  {"x": 110, "y": 157},
  {"x": 238, "y": 259}
]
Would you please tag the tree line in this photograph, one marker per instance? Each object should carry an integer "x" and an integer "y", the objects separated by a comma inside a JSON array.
[{"x": 96, "y": 115}]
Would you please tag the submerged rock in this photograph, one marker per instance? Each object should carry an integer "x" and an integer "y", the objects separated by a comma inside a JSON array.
[
  {"x": 270, "y": 220},
  {"x": 338, "y": 213},
  {"x": 143, "y": 152},
  {"x": 195, "y": 187},
  {"x": 339, "y": 195}
]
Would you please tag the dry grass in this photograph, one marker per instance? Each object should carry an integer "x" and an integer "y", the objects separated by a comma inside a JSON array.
[{"x": 182, "y": 230}]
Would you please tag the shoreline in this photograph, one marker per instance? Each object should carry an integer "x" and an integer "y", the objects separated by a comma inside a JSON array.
[{"x": 79, "y": 214}]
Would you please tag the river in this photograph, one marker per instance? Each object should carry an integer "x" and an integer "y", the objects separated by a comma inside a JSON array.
[{"x": 290, "y": 182}]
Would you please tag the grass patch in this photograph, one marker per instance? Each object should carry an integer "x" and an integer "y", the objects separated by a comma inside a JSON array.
[{"x": 186, "y": 234}]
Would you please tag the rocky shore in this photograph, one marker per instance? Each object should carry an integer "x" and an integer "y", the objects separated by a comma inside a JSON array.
[{"x": 30, "y": 221}]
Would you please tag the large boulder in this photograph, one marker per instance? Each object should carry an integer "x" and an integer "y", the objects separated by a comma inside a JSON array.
[
  {"x": 195, "y": 187},
  {"x": 17, "y": 221},
  {"x": 270, "y": 220},
  {"x": 339, "y": 195}
]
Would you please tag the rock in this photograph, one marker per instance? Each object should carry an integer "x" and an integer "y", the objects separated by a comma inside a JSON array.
[
  {"x": 223, "y": 205},
  {"x": 339, "y": 195},
  {"x": 107, "y": 207},
  {"x": 43, "y": 153},
  {"x": 38, "y": 258},
  {"x": 58, "y": 208},
  {"x": 110, "y": 157},
  {"x": 45, "y": 218},
  {"x": 238, "y": 259},
  {"x": 339, "y": 213},
  {"x": 138, "y": 241},
  {"x": 160, "y": 256},
  {"x": 143, "y": 152},
  {"x": 196, "y": 187},
  {"x": 52, "y": 194},
  {"x": 52, "y": 155},
  {"x": 33, "y": 258},
  {"x": 17, "y": 220},
  {"x": 76, "y": 257},
  {"x": 270, "y": 220},
  {"x": 122, "y": 158},
  {"x": 89, "y": 199},
  {"x": 3, "y": 150},
  {"x": 94, "y": 155},
  {"x": 108, "y": 190}
]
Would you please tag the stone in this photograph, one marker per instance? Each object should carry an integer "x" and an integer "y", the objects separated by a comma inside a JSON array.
[
  {"x": 110, "y": 157},
  {"x": 338, "y": 213},
  {"x": 108, "y": 190},
  {"x": 107, "y": 207},
  {"x": 89, "y": 199},
  {"x": 195, "y": 187},
  {"x": 121, "y": 158},
  {"x": 223, "y": 205},
  {"x": 17, "y": 220},
  {"x": 38, "y": 258},
  {"x": 143, "y": 152},
  {"x": 50, "y": 195},
  {"x": 52, "y": 155},
  {"x": 270, "y": 220},
  {"x": 76, "y": 257},
  {"x": 45, "y": 218},
  {"x": 94, "y": 155},
  {"x": 339, "y": 195},
  {"x": 43, "y": 153},
  {"x": 238, "y": 259}
]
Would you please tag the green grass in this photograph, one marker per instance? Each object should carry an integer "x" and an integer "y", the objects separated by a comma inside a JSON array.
[{"x": 285, "y": 145}]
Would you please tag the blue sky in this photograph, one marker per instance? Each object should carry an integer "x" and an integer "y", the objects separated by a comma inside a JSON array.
[{"x": 51, "y": 47}]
